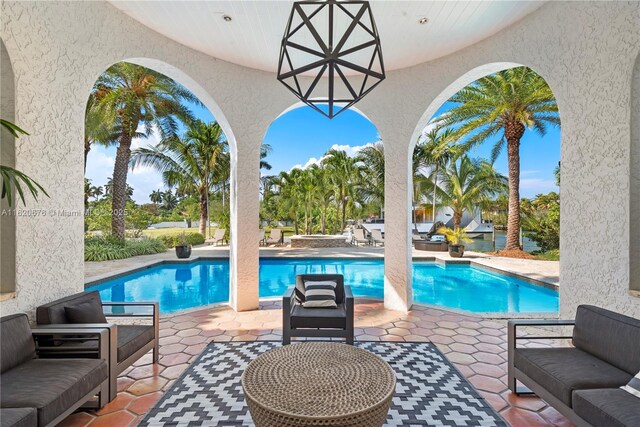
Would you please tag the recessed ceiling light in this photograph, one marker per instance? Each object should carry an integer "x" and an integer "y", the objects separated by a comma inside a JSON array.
[
  {"x": 227, "y": 18},
  {"x": 423, "y": 20}
]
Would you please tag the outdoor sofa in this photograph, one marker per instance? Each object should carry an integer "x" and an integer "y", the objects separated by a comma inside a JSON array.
[
  {"x": 128, "y": 342},
  {"x": 38, "y": 391},
  {"x": 299, "y": 321},
  {"x": 582, "y": 382}
]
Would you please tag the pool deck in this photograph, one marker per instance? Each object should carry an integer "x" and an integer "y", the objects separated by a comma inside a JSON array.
[{"x": 546, "y": 272}]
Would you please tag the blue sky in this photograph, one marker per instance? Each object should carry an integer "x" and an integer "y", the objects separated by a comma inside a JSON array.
[{"x": 303, "y": 135}]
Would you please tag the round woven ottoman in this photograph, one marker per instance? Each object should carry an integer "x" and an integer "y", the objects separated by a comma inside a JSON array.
[{"x": 318, "y": 384}]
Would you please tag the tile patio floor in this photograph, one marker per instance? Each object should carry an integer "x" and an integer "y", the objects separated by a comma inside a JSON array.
[{"x": 477, "y": 347}]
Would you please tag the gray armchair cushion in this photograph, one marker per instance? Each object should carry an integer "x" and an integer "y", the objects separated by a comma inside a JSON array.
[
  {"x": 318, "y": 317},
  {"x": 18, "y": 417},
  {"x": 563, "y": 370},
  {"x": 609, "y": 336},
  {"x": 607, "y": 407},
  {"x": 51, "y": 385},
  {"x": 132, "y": 338},
  {"x": 54, "y": 312},
  {"x": 89, "y": 311},
  {"x": 17, "y": 343}
]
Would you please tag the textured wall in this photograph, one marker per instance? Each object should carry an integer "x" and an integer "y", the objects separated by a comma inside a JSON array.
[
  {"x": 634, "y": 225},
  {"x": 58, "y": 50},
  {"x": 7, "y": 158}
]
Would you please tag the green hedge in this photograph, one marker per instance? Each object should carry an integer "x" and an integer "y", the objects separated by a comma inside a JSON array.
[
  {"x": 106, "y": 248},
  {"x": 171, "y": 240}
]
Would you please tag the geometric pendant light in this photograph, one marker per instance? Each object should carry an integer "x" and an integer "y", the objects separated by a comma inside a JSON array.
[{"x": 337, "y": 40}]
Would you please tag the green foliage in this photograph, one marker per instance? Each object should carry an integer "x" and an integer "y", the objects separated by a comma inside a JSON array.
[
  {"x": 541, "y": 220},
  {"x": 137, "y": 219},
  {"x": 109, "y": 248},
  {"x": 454, "y": 236},
  {"x": 173, "y": 240},
  {"x": 98, "y": 216},
  {"x": 552, "y": 255},
  {"x": 13, "y": 180}
]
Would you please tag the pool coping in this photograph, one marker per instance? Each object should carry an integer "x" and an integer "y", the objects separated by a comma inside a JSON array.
[{"x": 96, "y": 280}]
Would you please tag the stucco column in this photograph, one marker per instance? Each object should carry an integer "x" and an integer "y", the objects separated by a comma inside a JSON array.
[
  {"x": 398, "y": 293},
  {"x": 244, "y": 253}
]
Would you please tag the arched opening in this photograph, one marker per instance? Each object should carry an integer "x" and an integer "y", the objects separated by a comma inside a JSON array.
[
  {"x": 634, "y": 224},
  {"x": 485, "y": 176},
  {"x": 158, "y": 154},
  {"x": 322, "y": 195},
  {"x": 7, "y": 158}
]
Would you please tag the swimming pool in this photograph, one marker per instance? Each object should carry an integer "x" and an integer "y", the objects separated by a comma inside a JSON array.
[{"x": 179, "y": 286}]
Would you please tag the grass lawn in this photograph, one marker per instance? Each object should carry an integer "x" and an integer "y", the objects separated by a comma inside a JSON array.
[{"x": 154, "y": 232}]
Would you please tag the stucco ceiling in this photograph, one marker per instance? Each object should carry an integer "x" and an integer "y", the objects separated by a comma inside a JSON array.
[{"x": 252, "y": 38}]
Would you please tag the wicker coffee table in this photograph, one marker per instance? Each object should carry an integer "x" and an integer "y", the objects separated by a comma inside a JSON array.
[{"x": 318, "y": 384}]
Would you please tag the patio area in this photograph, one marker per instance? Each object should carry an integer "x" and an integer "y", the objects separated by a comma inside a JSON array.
[{"x": 477, "y": 348}]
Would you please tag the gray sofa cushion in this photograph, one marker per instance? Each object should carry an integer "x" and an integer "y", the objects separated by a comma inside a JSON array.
[
  {"x": 17, "y": 343},
  {"x": 562, "y": 370},
  {"x": 54, "y": 312},
  {"x": 85, "y": 312},
  {"x": 50, "y": 385},
  {"x": 319, "y": 317},
  {"x": 18, "y": 417},
  {"x": 609, "y": 336},
  {"x": 132, "y": 338},
  {"x": 608, "y": 407}
]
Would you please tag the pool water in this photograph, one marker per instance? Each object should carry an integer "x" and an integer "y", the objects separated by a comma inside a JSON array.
[{"x": 179, "y": 286}]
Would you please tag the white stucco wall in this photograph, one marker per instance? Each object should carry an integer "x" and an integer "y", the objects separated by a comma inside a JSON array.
[
  {"x": 634, "y": 220},
  {"x": 58, "y": 50}
]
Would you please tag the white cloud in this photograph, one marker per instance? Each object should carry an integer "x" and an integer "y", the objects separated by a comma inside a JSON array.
[
  {"x": 152, "y": 140},
  {"x": 533, "y": 186},
  {"x": 351, "y": 151}
]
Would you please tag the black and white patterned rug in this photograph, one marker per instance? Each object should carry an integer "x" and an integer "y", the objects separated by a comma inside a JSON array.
[{"x": 429, "y": 390}]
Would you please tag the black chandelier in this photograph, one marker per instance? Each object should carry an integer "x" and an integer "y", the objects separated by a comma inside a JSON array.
[{"x": 335, "y": 39}]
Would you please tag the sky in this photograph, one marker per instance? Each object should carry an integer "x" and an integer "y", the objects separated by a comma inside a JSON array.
[{"x": 302, "y": 136}]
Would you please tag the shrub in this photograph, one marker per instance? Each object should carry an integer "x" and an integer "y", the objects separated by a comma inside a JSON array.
[
  {"x": 171, "y": 240},
  {"x": 109, "y": 248}
]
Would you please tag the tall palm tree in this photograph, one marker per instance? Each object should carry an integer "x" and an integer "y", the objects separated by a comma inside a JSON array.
[
  {"x": 133, "y": 97},
  {"x": 265, "y": 150},
  {"x": 155, "y": 197},
  {"x": 323, "y": 193},
  {"x": 99, "y": 127},
  {"x": 343, "y": 171},
  {"x": 433, "y": 152},
  {"x": 169, "y": 201},
  {"x": 188, "y": 163},
  {"x": 504, "y": 104},
  {"x": 466, "y": 183},
  {"x": 372, "y": 158}
]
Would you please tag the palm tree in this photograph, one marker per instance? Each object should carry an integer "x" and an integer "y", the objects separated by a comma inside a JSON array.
[
  {"x": 169, "y": 201},
  {"x": 433, "y": 152},
  {"x": 466, "y": 183},
  {"x": 99, "y": 128},
  {"x": 372, "y": 157},
  {"x": 323, "y": 193},
  {"x": 134, "y": 96},
  {"x": 265, "y": 150},
  {"x": 342, "y": 171},
  {"x": 155, "y": 197},
  {"x": 188, "y": 163},
  {"x": 508, "y": 103}
]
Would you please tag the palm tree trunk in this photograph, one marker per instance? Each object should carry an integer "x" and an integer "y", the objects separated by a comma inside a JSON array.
[
  {"x": 344, "y": 214},
  {"x": 513, "y": 132},
  {"x": 119, "y": 183},
  {"x": 323, "y": 219},
  {"x": 87, "y": 148},
  {"x": 457, "y": 219},
  {"x": 435, "y": 186},
  {"x": 204, "y": 215}
]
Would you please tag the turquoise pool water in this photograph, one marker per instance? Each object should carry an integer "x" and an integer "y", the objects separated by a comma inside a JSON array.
[{"x": 179, "y": 286}]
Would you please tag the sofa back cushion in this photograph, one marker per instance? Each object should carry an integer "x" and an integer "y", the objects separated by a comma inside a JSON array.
[
  {"x": 85, "y": 312},
  {"x": 54, "y": 312},
  {"x": 17, "y": 343},
  {"x": 609, "y": 336}
]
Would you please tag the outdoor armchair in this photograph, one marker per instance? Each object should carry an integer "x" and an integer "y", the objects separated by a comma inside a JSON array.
[
  {"x": 129, "y": 341},
  {"x": 218, "y": 236},
  {"x": 36, "y": 390},
  {"x": 299, "y": 321}
]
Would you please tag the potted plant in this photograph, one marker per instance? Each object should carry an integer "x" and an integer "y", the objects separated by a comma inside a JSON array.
[
  {"x": 456, "y": 238},
  {"x": 183, "y": 248}
]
